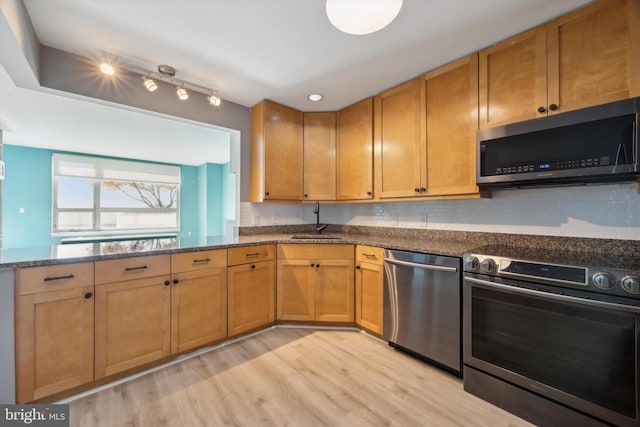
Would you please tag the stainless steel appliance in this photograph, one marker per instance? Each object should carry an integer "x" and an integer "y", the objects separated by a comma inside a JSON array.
[
  {"x": 544, "y": 332},
  {"x": 592, "y": 145},
  {"x": 422, "y": 306}
]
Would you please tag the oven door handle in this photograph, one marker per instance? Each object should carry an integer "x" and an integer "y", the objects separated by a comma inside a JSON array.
[
  {"x": 422, "y": 266},
  {"x": 547, "y": 295}
]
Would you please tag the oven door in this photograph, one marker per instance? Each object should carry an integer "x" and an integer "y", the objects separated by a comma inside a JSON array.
[{"x": 580, "y": 352}]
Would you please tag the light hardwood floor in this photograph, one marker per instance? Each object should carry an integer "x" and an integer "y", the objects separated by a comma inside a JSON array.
[{"x": 293, "y": 377}]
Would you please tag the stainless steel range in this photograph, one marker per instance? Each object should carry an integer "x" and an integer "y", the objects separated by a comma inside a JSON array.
[{"x": 553, "y": 336}]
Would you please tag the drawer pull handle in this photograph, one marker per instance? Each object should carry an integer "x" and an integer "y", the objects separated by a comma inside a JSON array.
[
  {"x": 370, "y": 256},
  {"x": 49, "y": 279},
  {"x": 201, "y": 260},
  {"x": 144, "y": 267},
  {"x": 254, "y": 254}
]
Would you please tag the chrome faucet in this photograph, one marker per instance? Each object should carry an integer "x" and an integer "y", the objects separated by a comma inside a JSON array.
[{"x": 319, "y": 227}]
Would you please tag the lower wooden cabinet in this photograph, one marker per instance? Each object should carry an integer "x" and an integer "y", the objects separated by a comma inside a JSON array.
[
  {"x": 198, "y": 308},
  {"x": 315, "y": 283},
  {"x": 54, "y": 329},
  {"x": 369, "y": 288},
  {"x": 251, "y": 289},
  {"x": 133, "y": 321}
]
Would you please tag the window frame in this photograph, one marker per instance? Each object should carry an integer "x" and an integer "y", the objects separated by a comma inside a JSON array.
[{"x": 97, "y": 210}]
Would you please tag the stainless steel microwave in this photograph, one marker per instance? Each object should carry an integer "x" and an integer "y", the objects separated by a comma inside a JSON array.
[{"x": 593, "y": 145}]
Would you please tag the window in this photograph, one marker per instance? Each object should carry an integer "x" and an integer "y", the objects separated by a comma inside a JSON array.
[{"x": 104, "y": 195}]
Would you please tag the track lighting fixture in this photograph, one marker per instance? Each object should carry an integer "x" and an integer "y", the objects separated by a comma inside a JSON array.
[
  {"x": 182, "y": 93},
  {"x": 149, "y": 84},
  {"x": 166, "y": 73}
]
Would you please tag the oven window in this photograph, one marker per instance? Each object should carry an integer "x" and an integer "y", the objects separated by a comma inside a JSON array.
[{"x": 587, "y": 352}]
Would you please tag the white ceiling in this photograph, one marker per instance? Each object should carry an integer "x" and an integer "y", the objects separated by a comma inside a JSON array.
[
  {"x": 283, "y": 49},
  {"x": 248, "y": 50}
]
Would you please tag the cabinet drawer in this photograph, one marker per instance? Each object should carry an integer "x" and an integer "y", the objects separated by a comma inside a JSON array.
[
  {"x": 198, "y": 260},
  {"x": 315, "y": 251},
  {"x": 370, "y": 254},
  {"x": 249, "y": 254},
  {"x": 31, "y": 280},
  {"x": 118, "y": 270}
]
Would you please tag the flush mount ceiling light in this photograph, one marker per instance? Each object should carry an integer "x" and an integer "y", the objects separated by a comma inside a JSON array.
[
  {"x": 362, "y": 16},
  {"x": 107, "y": 69},
  {"x": 314, "y": 97}
]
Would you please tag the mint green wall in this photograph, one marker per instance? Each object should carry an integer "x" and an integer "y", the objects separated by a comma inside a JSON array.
[
  {"x": 210, "y": 188},
  {"x": 28, "y": 185}
]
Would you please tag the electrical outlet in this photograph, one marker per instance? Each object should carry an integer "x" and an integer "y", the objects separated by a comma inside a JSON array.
[
  {"x": 423, "y": 220},
  {"x": 274, "y": 219},
  {"x": 21, "y": 210}
]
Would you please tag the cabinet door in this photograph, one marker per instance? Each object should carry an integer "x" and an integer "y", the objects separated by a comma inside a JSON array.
[
  {"x": 513, "y": 79},
  {"x": 133, "y": 324},
  {"x": 594, "y": 55},
  {"x": 54, "y": 342},
  {"x": 295, "y": 290},
  {"x": 276, "y": 152},
  {"x": 451, "y": 123},
  {"x": 369, "y": 296},
  {"x": 334, "y": 290},
  {"x": 198, "y": 308},
  {"x": 319, "y": 156},
  {"x": 355, "y": 151},
  {"x": 252, "y": 296},
  {"x": 399, "y": 145}
]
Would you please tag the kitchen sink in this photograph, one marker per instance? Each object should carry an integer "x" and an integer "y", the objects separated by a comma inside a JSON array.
[{"x": 316, "y": 237}]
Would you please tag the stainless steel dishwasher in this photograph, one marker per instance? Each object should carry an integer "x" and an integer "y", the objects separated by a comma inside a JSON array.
[{"x": 422, "y": 306}]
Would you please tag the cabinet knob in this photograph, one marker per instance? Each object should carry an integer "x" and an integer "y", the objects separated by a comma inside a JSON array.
[
  {"x": 266, "y": 193},
  {"x": 423, "y": 189},
  {"x": 167, "y": 283},
  {"x": 357, "y": 267},
  {"x": 553, "y": 107},
  {"x": 541, "y": 109},
  {"x": 317, "y": 265},
  {"x": 313, "y": 265},
  {"x": 417, "y": 190},
  {"x": 306, "y": 195},
  {"x": 176, "y": 281},
  {"x": 369, "y": 193},
  {"x": 88, "y": 295},
  {"x": 253, "y": 266}
]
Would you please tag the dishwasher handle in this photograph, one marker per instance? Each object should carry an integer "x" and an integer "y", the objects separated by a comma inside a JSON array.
[{"x": 422, "y": 266}]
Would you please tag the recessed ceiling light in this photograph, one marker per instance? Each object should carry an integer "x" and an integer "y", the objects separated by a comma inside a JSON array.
[
  {"x": 314, "y": 97},
  {"x": 362, "y": 16},
  {"x": 107, "y": 69}
]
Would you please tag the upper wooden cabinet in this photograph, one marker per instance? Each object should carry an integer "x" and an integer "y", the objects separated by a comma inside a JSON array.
[
  {"x": 585, "y": 58},
  {"x": 320, "y": 156},
  {"x": 400, "y": 157},
  {"x": 451, "y": 111},
  {"x": 276, "y": 152},
  {"x": 355, "y": 151}
]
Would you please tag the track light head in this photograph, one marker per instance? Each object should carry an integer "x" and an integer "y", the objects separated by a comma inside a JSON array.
[
  {"x": 182, "y": 94},
  {"x": 107, "y": 69},
  {"x": 149, "y": 84},
  {"x": 214, "y": 100}
]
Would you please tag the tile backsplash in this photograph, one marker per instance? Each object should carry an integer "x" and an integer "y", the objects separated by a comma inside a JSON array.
[{"x": 598, "y": 211}]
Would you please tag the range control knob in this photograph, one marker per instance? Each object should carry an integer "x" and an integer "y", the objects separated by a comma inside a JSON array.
[
  {"x": 604, "y": 280},
  {"x": 471, "y": 263},
  {"x": 631, "y": 284},
  {"x": 488, "y": 265}
]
